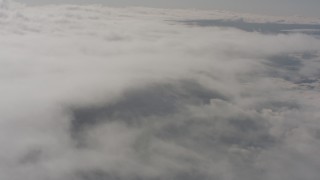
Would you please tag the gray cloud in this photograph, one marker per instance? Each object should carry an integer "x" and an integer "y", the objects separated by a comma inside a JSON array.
[
  {"x": 266, "y": 27},
  {"x": 92, "y": 93}
]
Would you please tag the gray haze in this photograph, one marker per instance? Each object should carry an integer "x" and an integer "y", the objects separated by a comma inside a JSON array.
[{"x": 271, "y": 7}]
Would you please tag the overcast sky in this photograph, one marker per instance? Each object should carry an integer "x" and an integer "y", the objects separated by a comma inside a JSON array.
[{"x": 273, "y": 7}]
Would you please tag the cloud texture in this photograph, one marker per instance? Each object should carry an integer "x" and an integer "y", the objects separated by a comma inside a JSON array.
[{"x": 93, "y": 93}]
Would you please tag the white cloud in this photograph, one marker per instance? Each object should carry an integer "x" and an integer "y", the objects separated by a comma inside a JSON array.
[{"x": 91, "y": 92}]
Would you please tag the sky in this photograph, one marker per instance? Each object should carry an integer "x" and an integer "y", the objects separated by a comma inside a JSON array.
[
  {"x": 94, "y": 92},
  {"x": 270, "y": 7}
]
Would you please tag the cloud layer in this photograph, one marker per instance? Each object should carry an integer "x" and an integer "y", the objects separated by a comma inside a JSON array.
[{"x": 92, "y": 93}]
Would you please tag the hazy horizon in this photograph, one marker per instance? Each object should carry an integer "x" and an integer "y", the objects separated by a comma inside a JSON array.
[{"x": 272, "y": 7}]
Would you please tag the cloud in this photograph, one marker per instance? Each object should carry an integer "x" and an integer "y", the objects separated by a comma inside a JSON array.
[{"x": 92, "y": 92}]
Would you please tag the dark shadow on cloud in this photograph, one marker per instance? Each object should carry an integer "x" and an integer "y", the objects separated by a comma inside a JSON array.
[
  {"x": 97, "y": 175},
  {"x": 307, "y": 81},
  {"x": 210, "y": 136},
  {"x": 284, "y": 66},
  {"x": 286, "y": 62},
  {"x": 269, "y": 28},
  {"x": 278, "y": 105},
  {"x": 158, "y": 99},
  {"x": 241, "y": 131},
  {"x": 31, "y": 157},
  {"x": 288, "y": 66},
  {"x": 310, "y": 55},
  {"x": 101, "y": 175},
  {"x": 168, "y": 101}
]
